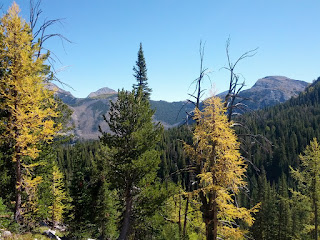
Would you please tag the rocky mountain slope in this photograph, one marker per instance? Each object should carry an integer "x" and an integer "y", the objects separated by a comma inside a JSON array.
[
  {"x": 272, "y": 90},
  {"x": 87, "y": 112}
]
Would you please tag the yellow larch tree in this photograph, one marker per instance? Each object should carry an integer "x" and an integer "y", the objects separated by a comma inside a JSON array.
[
  {"x": 308, "y": 180},
  {"x": 221, "y": 172},
  {"x": 27, "y": 107},
  {"x": 60, "y": 200}
]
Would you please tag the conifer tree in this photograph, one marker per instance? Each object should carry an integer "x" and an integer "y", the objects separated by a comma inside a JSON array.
[
  {"x": 133, "y": 160},
  {"x": 308, "y": 178},
  {"x": 106, "y": 205},
  {"x": 60, "y": 199},
  {"x": 215, "y": 151},
  {"x": 5, "y": 215},
  {"x": 265, "y": 227},
  {"x": 81, "y": 191},
  {"x": 284, "y": 210},
  {"x": 29, "y": 108},
  {"x": 140, "y": 73}
]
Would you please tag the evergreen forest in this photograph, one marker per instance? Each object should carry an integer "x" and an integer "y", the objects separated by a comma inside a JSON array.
[{"x": 221, "y": 175}]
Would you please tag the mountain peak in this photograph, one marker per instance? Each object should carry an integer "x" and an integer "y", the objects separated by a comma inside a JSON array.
[
  {"x": 59, "y": 91},
  {"x": 101, "y": 92},
  {"x": 271, "y": 90},
  {"x": 279, "y": 82}
]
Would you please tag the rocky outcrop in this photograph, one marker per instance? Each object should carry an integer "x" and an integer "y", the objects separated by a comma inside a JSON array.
[{"x": 272, "y": 90}]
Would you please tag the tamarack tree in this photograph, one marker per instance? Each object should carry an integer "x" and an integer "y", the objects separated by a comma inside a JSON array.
[
  {"x": 215, "y": 152},
  {"x": 28, "y": 108},
  {"x": 308, "y": 177}
]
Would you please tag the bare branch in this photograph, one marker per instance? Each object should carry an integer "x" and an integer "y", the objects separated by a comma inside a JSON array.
[
  {"x": 187, "y": 169},
  {"x": 182, "y": 108},
  {"x": 198, "y": 91},
  {"x": 40, "y": 36},
  {"x": 234, "y": 86}
]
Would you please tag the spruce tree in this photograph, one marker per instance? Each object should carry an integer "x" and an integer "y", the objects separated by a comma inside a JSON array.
[
  {"x": 265, "y": 227},
  {"x": 140, "y": 73},
  {"x": 132, "y": 160},
  {"x": 284, "y": 210}
]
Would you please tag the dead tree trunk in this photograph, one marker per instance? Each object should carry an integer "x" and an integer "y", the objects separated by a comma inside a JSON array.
[{"x": 197, "y": 95}]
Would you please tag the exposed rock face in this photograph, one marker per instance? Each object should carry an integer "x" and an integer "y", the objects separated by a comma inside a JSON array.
[
  {"x": 65, "y": 96},
  {"x": 272, "y": 90},
  {"x": 88, "y": 116},
  {"x": 88, "y": 112}
]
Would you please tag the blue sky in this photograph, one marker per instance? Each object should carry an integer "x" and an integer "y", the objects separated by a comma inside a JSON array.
[{"x": 106, "y": 36}]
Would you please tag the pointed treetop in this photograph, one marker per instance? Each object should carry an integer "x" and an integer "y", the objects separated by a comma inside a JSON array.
[
  {"x": 14, "y": 10},
  {"x": 140, "y": 73}
]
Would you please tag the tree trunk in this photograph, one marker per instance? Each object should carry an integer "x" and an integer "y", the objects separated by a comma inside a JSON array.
[
  {"x": 315, "y": 205},
  {"x": 126, "y": 218},
  {"x": 53, "y": 215},
  {"x": 179, "y": 220},
  {"x": 17, "y": 211},
  {"x": 212, "y": 222},
  {"x": 210, "y": 215},
  {"x": 215, "y": 218},
  {"x": 185, "y": 218},
  {"x": 315, "y": 219}
]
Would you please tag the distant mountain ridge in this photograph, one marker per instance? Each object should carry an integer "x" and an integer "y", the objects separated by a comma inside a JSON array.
[
  {"x": 269, "y": 91},
  {"x": 272, "y": 90},
  {"x": 88, "y": 112},
  {"x": 290, "y": 127},
  {"x": 102, "y": 92}
]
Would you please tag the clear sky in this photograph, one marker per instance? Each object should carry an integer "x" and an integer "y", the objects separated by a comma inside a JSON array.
[{"x": 106, "y": 36}]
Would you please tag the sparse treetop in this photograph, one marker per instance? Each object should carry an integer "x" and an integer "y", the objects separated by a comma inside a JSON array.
[{"x": 140, "y": 73}]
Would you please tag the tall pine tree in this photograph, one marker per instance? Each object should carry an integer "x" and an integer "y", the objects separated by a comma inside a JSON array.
[
  {"x": 140, "y": 73},
  {"x": 133, "y": 160}
]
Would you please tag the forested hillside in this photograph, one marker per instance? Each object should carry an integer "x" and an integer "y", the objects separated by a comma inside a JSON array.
[
  {"x": 288, "y": 128},
  {"x": 223, "y": 176}
]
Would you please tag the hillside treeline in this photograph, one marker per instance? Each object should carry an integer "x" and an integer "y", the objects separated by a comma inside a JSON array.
[{"x": 251, "y": 177}]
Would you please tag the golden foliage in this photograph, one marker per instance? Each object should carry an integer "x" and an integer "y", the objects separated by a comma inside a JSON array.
[
  {"x": 27, "y": 107},
  {"x": 30, "y": 106},
  {"x": 60, "y": 199},
  {"x": 221, "y": 169},
  {"x": 308, "y": 179},
  {"x": 31, "y": 205}
]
